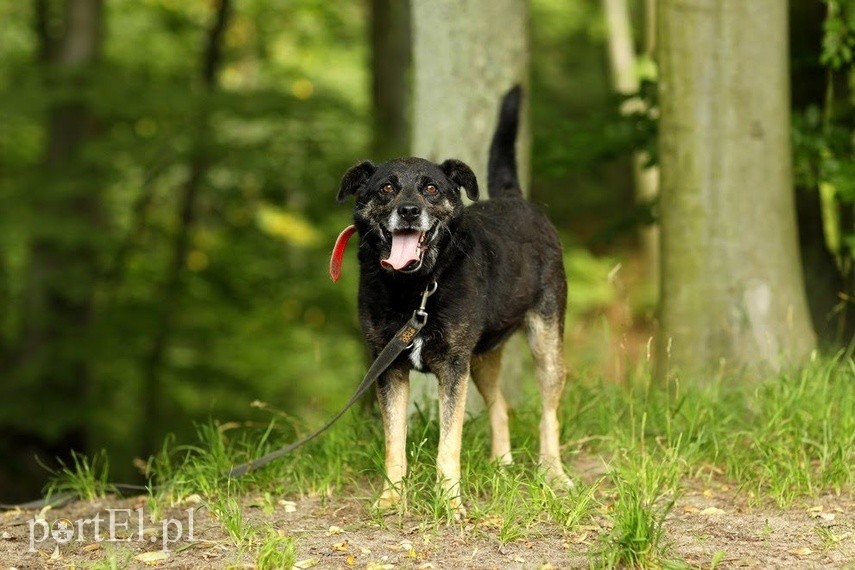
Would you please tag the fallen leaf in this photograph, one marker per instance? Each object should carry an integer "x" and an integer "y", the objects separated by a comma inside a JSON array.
[
  {"x": 307, "y": 563},
  {"x": 378, "y": 566},
  {"x": 816, "y": 509},
  {"x": 364, "y": 550},
  {"x": 153, "y": 557},
  {"x": 712, "y": 511},
  {"x": 341, "y": 546},
  {"x": 6, "y": 536},
  {"x": 350, "y": 560},
  {"x": 803, "y": 551},
  {"x": 290, "y": 506},
  {"x": 708, "y": 493},
  {"x": 690, "y": 509},
  {"x": 91, "y": 547},
  {"x": 334, "y": 530}
]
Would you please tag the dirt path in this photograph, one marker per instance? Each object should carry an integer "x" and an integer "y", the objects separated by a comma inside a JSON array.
[{"x": 707, "y": 524}]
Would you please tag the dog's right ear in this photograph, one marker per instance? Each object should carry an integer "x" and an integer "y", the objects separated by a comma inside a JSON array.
[{"x": 354, "y": 179}]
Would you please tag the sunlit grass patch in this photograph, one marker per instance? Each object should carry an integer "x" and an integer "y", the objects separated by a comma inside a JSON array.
[
  {"x": 791, "y": 436},
  {"x": 85, "y": 478}
]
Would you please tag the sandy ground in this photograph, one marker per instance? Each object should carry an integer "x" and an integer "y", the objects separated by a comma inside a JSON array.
[{"x": 710, "y": 523}]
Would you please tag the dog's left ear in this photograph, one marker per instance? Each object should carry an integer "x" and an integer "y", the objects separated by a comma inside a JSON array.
[
  {"x": 461, "y": 175},
  {"x": 354, "y": 179}
]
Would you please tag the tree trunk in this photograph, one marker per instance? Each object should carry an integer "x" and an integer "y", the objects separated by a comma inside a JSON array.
[
  {"x": 732, "y": 288},
  {"x": 390, "y": 85},
  {"x": 466, "y": 55},
  {"x": 152, "y": 397},
  {"x": 63, "y": 264},
  {"x": 624, "y": 69}
]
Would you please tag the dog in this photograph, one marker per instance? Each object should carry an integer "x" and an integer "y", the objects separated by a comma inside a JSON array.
[{"x": 498, "y": 267}]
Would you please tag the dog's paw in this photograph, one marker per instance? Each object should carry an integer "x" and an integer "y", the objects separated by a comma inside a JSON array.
[
  {"x": 389, "y": 499},
  {"x": 557, "y": 479},
  {"x": 503, "y": 460},
  {"x": 456, "y": 509}
]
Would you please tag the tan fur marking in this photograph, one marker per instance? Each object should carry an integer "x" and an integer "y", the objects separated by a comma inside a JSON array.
[
  {"x": 451, "y": 414},
  {"x": 394, "y": 410},
  {"x": 546, "y": 342},
  {"x": 485, "y": 373}
]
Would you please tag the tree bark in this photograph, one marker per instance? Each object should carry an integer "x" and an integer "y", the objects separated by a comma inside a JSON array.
[
  {"x": 466, "y": 55},
  {"x": 732, "y": 288},
  {"x": 390, "y": 80}
]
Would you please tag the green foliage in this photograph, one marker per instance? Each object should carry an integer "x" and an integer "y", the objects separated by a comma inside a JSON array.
[
  {"x": 253, "y": 314},
  {"x": 824, "y": 156}
]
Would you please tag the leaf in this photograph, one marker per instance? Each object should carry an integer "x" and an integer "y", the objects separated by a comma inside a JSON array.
[
  {"x": 803, "y": 551},
  {"x": 307, "y": 563},
  {"x": 712, "y": 511},
  {"x": 152, "y": 558},
  {"x": 334, "y": 530}
]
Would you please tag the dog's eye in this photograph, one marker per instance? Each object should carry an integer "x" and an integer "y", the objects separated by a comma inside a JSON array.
[
  {"x": 431, "y": 190},
  {"x": 387, "y": 189}
]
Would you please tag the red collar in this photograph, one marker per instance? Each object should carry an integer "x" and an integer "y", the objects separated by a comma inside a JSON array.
[{"x": 338, "y": 252}]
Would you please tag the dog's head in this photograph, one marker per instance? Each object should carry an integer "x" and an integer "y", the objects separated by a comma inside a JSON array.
[{"x": 404, "y": 208}]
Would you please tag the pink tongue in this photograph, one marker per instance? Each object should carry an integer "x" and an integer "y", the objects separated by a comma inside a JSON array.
[{"x": 405, "y": 249}]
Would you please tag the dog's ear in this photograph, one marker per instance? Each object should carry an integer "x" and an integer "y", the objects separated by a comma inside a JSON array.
[
  {"x": 462, "y": 176},
  {"x": 354, "y": 179}
]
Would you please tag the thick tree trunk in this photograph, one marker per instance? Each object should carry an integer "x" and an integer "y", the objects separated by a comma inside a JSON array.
[
  {"x": 390, "y": 85},
  {"x": 466, "y": 55},
  {"x": 732, "y": 289}
]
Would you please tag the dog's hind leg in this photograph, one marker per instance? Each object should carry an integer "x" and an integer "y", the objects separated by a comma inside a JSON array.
[
  {"x": 545, "y": 337},
  {"x": 453, "y": 383},
  {"x": 393, "y": 392},
  {"x": 485, "y": 373}
]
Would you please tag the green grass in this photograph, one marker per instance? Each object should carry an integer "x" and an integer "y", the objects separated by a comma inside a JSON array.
[
  {"x": 791, "y": 436},
  {"x": 87, "y": 478}
]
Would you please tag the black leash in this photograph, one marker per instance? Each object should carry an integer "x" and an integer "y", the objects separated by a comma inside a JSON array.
[{"x": 402, "y": 340}]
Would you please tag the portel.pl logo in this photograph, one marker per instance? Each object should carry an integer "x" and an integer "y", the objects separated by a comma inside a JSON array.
[{"x": 118, "y": 525}]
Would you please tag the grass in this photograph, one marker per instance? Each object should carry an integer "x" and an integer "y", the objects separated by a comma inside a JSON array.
[
  {"x": 85, "y": 478},
  {"x": 791, "y": 436}
]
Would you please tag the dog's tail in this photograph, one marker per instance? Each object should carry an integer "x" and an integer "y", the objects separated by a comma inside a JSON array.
[{"x": 502, "y": 180}]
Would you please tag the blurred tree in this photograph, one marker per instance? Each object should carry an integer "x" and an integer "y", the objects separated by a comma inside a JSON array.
[
  {"x": 152, "y": 393},
  {"x": 390, "y": 39},
  {"x": 626, "y": 76},
  {"x": 466, "y": 55},
  {"x": 66, "y": 245},
  {"x": 732, "y": 289}
]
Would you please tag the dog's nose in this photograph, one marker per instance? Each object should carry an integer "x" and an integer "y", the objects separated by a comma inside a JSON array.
[{"x": 409, "y": 211}]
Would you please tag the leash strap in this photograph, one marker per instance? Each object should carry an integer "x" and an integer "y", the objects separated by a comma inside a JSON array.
[{"x": 402, "y": 340}]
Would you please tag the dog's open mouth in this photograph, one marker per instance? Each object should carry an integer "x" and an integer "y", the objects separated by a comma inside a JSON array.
[{"x": 408, "y": 246}]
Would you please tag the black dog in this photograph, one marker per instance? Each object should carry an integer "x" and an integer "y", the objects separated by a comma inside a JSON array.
[{"x": 497, "y": 265}]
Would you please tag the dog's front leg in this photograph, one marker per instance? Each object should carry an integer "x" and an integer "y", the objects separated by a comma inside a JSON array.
[
  {"x": 393, "y": 391},
  {"x": 453, "y": 382}
]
